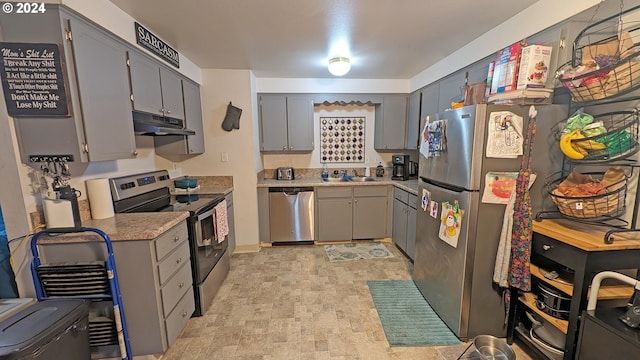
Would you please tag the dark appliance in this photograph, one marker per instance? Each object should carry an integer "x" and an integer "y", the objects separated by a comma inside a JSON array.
[
  {"x": 47, "y": 330},
  {"x": 149, "y": 192},
  {"x": 400, "y": 167},
  {"x": 413, "y": 170},
  {"x": 285, "y": 173}
]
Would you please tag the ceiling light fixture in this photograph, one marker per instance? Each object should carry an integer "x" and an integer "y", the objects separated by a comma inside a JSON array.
[{"x": 339, "y": 66}]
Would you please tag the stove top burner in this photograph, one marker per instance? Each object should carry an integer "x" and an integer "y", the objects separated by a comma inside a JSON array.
[{"x": 194, "y": 203}]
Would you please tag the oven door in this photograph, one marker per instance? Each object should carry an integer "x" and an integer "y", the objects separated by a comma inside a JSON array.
[{"x": 208, "y": 248}]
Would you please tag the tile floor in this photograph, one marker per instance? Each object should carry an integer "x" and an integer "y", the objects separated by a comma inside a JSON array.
[{"x": 290, "y": 303}]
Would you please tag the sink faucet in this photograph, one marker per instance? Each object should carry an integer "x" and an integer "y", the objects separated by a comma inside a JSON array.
[{"x": 355, "y": 173}]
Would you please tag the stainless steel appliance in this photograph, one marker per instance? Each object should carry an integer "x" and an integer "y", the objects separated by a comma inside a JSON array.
[
  {"x": 149, "y": 192},
  {"x": 285, "y": 173},
  {"x": 291, "y": 215},
  {"x": 457, "y": 280},
  {"x": 413, "y": 169},
  {"x": 400, "y": 169}
]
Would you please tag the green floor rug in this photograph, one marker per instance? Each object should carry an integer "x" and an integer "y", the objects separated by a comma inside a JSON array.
[{"x": 406, "y": 317}]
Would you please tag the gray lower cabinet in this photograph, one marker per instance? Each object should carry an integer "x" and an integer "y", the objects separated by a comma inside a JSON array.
[
  {"x": 155, "y": 89},
  {"x": 100, "y": 125},
  {"x": 232, "y": 223},
  {"x": 391, "y": 122},
  {"x": 334, "y": 217},
  {"x": 404, "y": 221},
  {"x": 182, "y": 144},
  {"x": 286, "y": 123},
  {"x": 370, "y": 212},
  {"x": 155, "y": 283},
  {"x": 351, "y": 212}
]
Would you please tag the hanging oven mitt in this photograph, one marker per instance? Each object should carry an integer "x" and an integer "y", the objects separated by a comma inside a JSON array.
[{"x": 232, "y": 118}]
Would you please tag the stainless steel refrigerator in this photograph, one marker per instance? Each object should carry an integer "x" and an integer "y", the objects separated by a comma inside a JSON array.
[{"x": 457, "y": 280}]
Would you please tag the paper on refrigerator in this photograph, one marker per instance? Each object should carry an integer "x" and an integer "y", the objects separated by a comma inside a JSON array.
[
  {"x": 505, "y": 137},
  {"x": 433, "y": 139}
]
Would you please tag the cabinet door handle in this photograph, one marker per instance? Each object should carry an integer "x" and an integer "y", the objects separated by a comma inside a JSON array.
[
  {"x": 284, "y": 148},
  {"x": 181, "y": 285},
  {"x": 546, "y": 247},
  {"x": 179, "y": 261},
  {"x": 290, "y": 147},
  {"x": 135, "y": 152},
  {"x": 168, "y": 111},
  {"x": 184, "y": 314},
  {"x": 176, "y": 238}
]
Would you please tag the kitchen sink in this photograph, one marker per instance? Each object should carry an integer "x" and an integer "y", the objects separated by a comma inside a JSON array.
[
  {"x": 361, "y": 178},
  {"x": 331, "y": 179}
]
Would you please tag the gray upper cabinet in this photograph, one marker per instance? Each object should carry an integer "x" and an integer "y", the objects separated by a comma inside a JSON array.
[
  {"x": 451, "y": 89},
  {"x": 156, "y": 90},
  {"x": 413, "y": 121},
  {"x": 100, "y": 125},
  {"x": 182, "y": 144},
  {"x": 172, "y": 101},
  {"x": 105, "y": 104},
  {"x": 429, "y": 102},
  {"x": 286, "y": 123},
  {"x": 391, "y": 122}
]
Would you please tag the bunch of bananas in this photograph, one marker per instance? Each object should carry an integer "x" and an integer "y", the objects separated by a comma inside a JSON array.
[{"x": 576, "y": 147}]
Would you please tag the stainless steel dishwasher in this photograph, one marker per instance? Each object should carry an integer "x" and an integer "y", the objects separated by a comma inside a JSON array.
[{"x": 291, "y": 214}]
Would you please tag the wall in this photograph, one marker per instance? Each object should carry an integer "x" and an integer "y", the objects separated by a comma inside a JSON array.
[
  {"x": 312, "y": 160},
  {"x": 534, "y": 19},
  {"x": 217, "y": 89},
  {"x": 109, "y": 16}
]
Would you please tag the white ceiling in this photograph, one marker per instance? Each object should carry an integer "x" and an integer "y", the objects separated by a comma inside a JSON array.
[{"x": 386, "y": 39}]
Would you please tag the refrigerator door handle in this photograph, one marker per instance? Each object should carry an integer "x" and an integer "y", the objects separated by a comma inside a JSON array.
[{"x": 443, "y": 185}]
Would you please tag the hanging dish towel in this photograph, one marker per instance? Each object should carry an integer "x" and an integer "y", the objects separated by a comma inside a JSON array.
[
  {"x": 222, "y": 225},
  {"x": 519, "y": 272}
]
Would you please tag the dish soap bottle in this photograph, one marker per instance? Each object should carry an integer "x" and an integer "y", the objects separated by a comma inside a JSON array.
[
  {"x": 379, "y": 170},
  {"x": 367, "y": 172},
  {"x": 325, "y": 171}
]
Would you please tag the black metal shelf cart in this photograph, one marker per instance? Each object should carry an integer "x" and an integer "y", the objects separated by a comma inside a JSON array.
[{"x": 95, "y": 281}]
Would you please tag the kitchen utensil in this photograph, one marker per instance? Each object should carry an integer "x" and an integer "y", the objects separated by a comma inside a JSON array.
[
  {"x": 285, "y": 173},
  {"x": 185, "y": 182},
  {"x": 491, "y": 347},
  {"x": 553, "y": 302}
]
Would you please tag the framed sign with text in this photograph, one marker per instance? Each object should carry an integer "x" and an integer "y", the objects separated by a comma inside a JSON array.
[{"x": 33, "y": 79}]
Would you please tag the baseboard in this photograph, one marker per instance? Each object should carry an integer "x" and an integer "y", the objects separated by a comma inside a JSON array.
[{"x": 241, "y": 249}]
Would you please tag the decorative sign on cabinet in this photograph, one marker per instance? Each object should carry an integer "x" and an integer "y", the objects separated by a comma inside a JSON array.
[{"x": 33, "y": 80}]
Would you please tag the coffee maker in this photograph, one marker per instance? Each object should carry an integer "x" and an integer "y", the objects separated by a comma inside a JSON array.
[{"x": 400, "y": 167}]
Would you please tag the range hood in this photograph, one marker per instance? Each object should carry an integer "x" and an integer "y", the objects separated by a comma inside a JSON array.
[{"x": 154, "y": 125}]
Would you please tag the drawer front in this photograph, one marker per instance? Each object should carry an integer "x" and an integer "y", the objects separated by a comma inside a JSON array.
[
  {"x": 401, "y": 195},
  {"x": 166, "y": 242},
  {"x": 175, "y": 288},
  {"x": 370, "y": 190},
  {"x": 334, "y": 192},
  {"x": 173, "y": 262},
  {"x": 413, "y": 201},
  {"x": 555, "y": 250},
  {"x": 178, "y": 318}
]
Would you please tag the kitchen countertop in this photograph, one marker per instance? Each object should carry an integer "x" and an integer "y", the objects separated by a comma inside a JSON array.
[
  {"x": 224, "y": 190},
  {"x": 407, "y": 185},
  {"x": 122, "y": 227}
]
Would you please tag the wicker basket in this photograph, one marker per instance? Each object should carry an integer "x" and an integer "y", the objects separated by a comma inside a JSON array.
[
  {"x": 617, "y": 79},
  {"x": 621, "y": 137},
  {"x": 608, "y": 205},
  {"x": 605, "y": 60}
]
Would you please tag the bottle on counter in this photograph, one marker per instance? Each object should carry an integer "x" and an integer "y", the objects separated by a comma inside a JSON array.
[
  {"x": 379, "y": 170},
  {"x": 367, "y": 171},
  {"x": 325, "y": 171}
]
